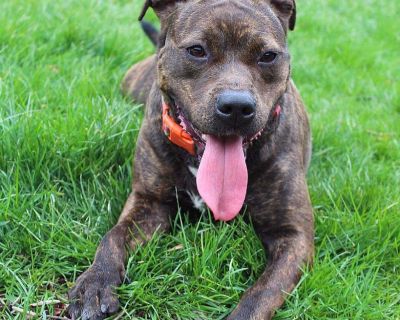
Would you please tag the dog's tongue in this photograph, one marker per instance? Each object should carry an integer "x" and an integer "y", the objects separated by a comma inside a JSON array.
[{"x": 222, "y": 176}]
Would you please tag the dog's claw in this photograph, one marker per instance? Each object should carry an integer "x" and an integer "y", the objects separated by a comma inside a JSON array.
[
  {"x": 93, "y": 298},
  {"x": 104, "y": 308}
]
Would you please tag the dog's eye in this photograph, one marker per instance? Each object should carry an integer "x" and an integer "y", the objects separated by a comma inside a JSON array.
[
  {"x": 268, "y": 57},
  {"x": 197, "y": 51}
]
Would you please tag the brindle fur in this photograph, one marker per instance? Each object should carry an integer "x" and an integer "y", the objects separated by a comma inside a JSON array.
[{"x": 277, "y": 199}]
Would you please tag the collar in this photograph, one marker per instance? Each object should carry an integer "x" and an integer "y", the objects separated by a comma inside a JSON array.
[
  {"x": 180, "y": 137},
  {"x": 175, "y": 133}
]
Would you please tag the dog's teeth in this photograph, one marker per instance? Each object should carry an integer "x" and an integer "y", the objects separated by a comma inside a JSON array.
[{"x": 204, "y": 137}]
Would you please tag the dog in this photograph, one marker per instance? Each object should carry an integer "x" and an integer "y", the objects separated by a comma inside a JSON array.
[{"x": 224, "y": 122}]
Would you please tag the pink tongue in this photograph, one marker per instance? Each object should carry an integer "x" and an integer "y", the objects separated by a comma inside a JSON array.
[{"x": 222, "y": 176}]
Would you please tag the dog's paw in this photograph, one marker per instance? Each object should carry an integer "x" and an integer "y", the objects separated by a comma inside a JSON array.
[{"x": 93, "y": 297}]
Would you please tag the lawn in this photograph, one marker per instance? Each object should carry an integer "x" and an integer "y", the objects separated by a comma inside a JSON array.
[{"x": 66, "y": 143}]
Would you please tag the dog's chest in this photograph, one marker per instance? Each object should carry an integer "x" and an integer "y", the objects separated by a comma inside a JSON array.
[{"x": 191, "y": 189}]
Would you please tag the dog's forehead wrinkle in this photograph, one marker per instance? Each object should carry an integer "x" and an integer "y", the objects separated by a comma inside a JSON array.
[{"x": 230, "y": 22}]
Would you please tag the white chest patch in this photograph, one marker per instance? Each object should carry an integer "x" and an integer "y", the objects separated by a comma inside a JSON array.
[
  {"x": 197, "y": 201},
  {"x": 193, "y": 170}
]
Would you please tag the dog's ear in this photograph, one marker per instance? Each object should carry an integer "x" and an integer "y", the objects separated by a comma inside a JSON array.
[
  {"x": 286, "y": 12},
  {"x": 162, "y": 8}
]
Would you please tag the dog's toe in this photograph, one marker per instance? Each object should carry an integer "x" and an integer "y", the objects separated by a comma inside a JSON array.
[
  {"x": 74, "y": 310},
  {"x": 91, "y": 306},
  {"x": 109, "y": 303}
]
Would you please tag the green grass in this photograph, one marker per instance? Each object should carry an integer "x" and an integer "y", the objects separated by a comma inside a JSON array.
[{"x": 67, "y": 138}]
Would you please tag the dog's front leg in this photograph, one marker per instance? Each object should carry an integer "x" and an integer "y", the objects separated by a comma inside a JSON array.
[
  {"x": 93, "y": 295},
  {"x": 283, "y": 219}
]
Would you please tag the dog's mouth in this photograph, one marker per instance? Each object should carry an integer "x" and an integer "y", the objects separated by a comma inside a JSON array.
[
  {"x": 201, "y": 138},
  {"x": 222, "y": 174}
]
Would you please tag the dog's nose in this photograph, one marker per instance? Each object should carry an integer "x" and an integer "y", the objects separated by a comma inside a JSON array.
[{"x": 235, "y": 108}]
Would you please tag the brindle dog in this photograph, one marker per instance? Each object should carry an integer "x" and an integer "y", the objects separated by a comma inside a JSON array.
[{"x": 223, "y": 69}]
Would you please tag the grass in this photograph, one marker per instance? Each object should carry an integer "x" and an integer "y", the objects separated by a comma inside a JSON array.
[{"x": 67, "y": 139}]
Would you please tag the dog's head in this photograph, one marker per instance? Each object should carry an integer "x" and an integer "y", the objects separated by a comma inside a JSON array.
[
  {"x": 222, "y": 67},
  {"x": 224, "y": 63}
]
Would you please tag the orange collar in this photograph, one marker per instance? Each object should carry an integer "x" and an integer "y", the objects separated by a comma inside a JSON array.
[{"x": 175, "y": 133}]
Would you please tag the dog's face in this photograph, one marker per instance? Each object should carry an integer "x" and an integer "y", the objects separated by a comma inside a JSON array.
[{"x": 223, "y": 64}]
